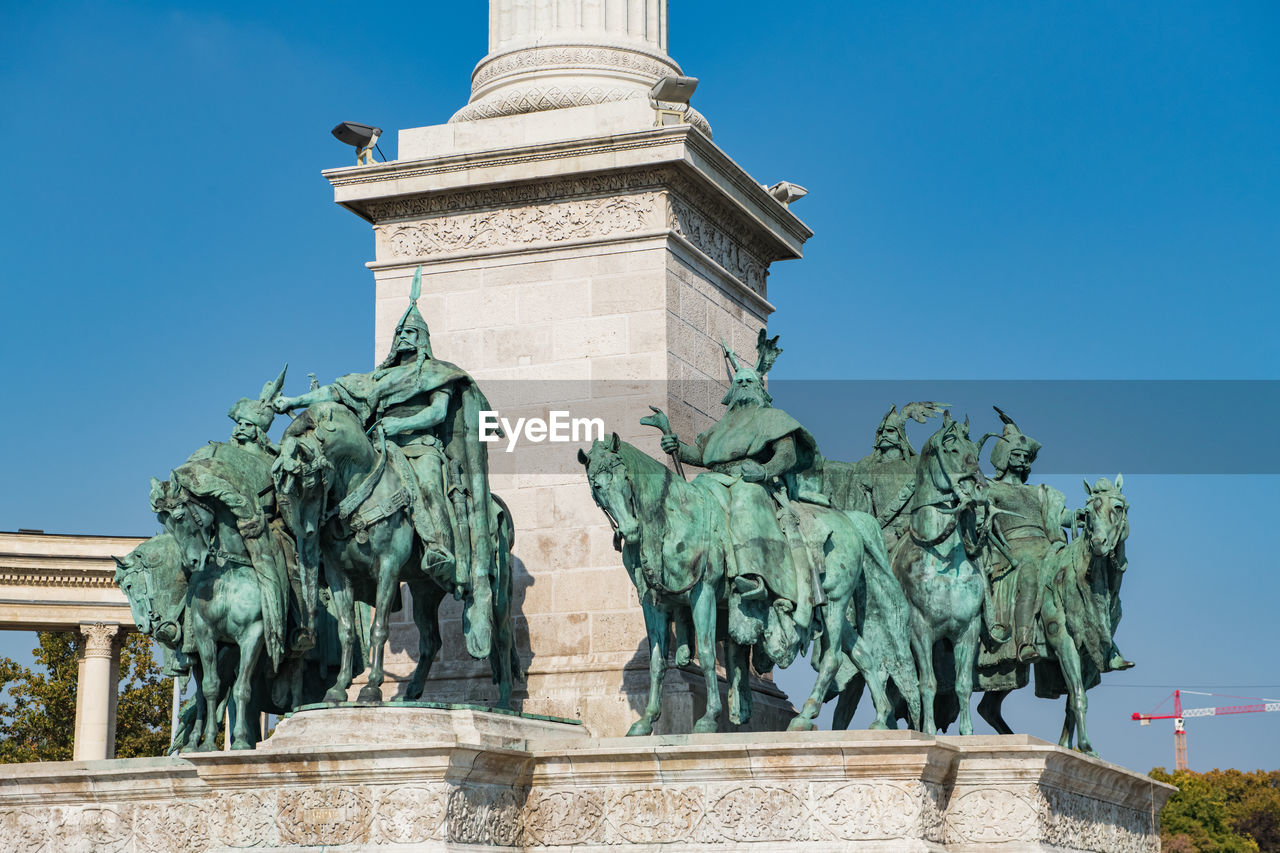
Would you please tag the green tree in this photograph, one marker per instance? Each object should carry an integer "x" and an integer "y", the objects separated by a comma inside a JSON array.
[
  {"x": 38, "y": 704},
  {"x": 1221, "y": 810}
]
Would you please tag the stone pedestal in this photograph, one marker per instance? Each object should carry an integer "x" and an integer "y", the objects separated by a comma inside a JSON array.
[
  {"x": 476, "y": 783},
  {"x": 577, "y": 259}
]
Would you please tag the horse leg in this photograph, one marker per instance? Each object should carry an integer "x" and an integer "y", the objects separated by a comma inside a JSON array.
[
  {"x": 871, "y": 675},
  {"x": 989, "y": 710},
  {"x": 834, "y": 643},
  {"x": 922, "y": 648},
  {"x": 703, "y": 599},
  {"x": 388, "y": 580},
  {"x": 847, "y": 704},
  {"x": 251, "y": 645},
  {"x": 1068, "y": 724},
  {"x": 657, "y": 624},
  {"x": 966, "y": 657},
  {"x": 739, "y": 672},
  {"x": 210, "y": 687},
  {"x": 344, "y": 607},
  {"x": 426, "y": 605},
  {"x": 1078, "y": 703},
  {"x": 503, "y": 654}
]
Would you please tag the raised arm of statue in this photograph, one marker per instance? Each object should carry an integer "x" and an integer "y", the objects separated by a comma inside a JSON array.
[
  {"x": 431, "y": 415},
  {"x": 325, "y": 394}
]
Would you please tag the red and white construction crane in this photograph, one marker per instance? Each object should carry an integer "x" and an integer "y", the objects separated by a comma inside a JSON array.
[{"x": 1179, "y": 714}]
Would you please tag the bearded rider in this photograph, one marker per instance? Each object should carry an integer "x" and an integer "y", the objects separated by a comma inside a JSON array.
[
  {"x": 753, "y": 454},
  {"x": 431, "y": 410},
  {"x": 1031, "y": 527}
]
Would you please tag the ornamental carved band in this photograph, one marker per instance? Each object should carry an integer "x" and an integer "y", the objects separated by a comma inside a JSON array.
[
  {"x": 519, "y": 227},
  {"x": 707, "y": 816},
  {"x": 572, "y": 57},
  {"x": 99, "y": 639}
]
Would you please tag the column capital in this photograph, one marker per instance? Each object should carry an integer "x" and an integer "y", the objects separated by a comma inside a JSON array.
[{"x": 101, "y": 639}]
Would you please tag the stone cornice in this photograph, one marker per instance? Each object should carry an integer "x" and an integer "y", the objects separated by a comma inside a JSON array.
[
  {"x": 89, "y": 577},
  {"x": 359, "y": 188}
]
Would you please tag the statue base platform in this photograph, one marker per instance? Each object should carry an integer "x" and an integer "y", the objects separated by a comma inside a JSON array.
[{"x": 365, "y": 778}]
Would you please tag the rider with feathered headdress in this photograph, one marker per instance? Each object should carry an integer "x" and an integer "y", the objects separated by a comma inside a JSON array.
[
  {"x": 754, "y": 455},
  {"x": 431, "y": 410}
]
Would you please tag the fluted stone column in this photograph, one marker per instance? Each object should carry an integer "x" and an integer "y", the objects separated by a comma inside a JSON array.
[
  {"x": 96, "y": 691},
  {"x": 552, "y": 54}
]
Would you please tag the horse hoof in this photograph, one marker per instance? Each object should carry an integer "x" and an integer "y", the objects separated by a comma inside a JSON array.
[
  {"x": 241, "y": 744},
  {"x": 705, "y": 726},
  {"x": 640, "y": 728},
  {"x": 369, "y": 693},
  {"x": 335, "y": 696},
  {"x": 878, "y": 726},
  {"x": 801, "y": 724}
]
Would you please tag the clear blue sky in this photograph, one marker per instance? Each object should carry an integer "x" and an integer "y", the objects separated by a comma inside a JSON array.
[{"x": 1052, "y": 190}]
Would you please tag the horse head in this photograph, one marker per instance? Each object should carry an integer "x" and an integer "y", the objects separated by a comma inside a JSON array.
[
  {"x": 151, "y": 578},
  {"x": 949, "y": 464},
  {"x": 190, "y": 522},
  {"x": 1106, "y": 516},
  {"x": 301, "y": 476},
  {"x": 611, "y": 486}
]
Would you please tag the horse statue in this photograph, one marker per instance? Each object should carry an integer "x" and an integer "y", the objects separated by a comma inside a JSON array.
[
  {"x": 938, "y": 565},
  {"x": 348, "y": 507},
  {"x": 237, "y": 566},
  {"x": 152, "y": 580},
  {"x": 673, "y": 536},
  {"x": 1082, "y": 607}
]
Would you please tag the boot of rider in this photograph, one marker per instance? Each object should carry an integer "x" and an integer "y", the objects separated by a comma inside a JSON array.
[
  {"x": 1117, "y": 661},
  {"x": 1025, "y": 620}
]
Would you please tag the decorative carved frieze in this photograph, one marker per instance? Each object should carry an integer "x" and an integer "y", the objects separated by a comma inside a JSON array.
[
  {"x": 755, "y": 814},
  {"x": 593, "y": 206},
  {"x": 1076, "y": 822},
  {"x": 519, "y": 226},
  {"x": 707, "y": 235},
  {"x": 324, "y": 816}
]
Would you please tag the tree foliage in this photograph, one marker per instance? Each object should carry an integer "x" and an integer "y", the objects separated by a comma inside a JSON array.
[
  {"x": 38, "y": 704},
  {"x": 1221, "y": 810}
]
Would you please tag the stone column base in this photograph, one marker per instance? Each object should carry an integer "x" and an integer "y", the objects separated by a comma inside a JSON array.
[{"x": 471, "y": 782}]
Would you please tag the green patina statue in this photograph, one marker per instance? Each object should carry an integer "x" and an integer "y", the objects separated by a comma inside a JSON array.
[
  {"x": 910, "y": 574},
  {"x": 749, "y": 539},
  {"x": 882, "y": 482},
  {"x": 274, "y": 557},
  {"x": 411, "y": 504}
]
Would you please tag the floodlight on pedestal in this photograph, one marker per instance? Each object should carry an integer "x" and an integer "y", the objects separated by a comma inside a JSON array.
[
  {"x": 362, "y": 137},
  {"x": 786, "y": 192},
  {"x": 670, "y": 98}
]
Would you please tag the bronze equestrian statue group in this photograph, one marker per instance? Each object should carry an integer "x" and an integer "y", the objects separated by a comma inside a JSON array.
[
  {"x": 279, "y": 567},
  {"x": 907, "y": 574},
  {"x": 911, "y": 574}
]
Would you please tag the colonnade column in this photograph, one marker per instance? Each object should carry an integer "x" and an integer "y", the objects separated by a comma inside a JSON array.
[{"x": 99, "y": 658}]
